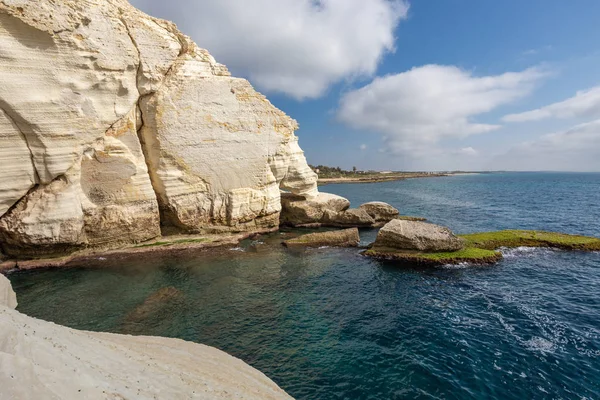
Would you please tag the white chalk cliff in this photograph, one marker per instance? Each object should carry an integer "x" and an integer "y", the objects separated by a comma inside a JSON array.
[
  {"x": 41, "y": 360},
  {"x": 113, "y": 122}
]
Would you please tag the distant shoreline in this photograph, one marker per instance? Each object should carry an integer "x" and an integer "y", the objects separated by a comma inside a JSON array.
[{"x": 387, "y": 177}]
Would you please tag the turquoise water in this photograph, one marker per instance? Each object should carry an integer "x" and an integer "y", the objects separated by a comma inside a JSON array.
[{"x": 331, "y": 324}]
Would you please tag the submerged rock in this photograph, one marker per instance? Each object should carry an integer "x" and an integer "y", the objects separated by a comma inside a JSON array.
[
  {"x": 158, "y": 304},
  {"x": 530, "y": 238},
  {"x": 42, "y": 360},
  {"x": 420, "y": 236},
  {"x": 342, "y": 238},
  {"x": 469, "y": 255},
  {"x": 380, "y": 211}
]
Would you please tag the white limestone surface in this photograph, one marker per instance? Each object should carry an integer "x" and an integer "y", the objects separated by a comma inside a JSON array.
[
  {"x": 80, "y": 84},
  {"x": 41, "y": 360},
  {"x": 221, "y": 165}
]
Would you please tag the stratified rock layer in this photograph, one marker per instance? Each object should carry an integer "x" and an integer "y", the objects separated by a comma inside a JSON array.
[
  {"x": 41, "y": 360},
  {"x": 111, "y": 119}
]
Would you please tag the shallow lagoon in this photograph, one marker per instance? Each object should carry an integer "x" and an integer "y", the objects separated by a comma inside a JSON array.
[{"x": 329, "y": 323}]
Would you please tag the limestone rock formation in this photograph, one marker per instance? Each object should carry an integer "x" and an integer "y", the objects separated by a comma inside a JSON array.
[
  {"x": 352, "y": 217},
  {"x": 420, "y": 236},
  {"x": 41, "y": 360},
  {"x": 8, "y": 298},
  {"x": 341, "y": 238},
  {"x": 380, "y": 211},
  {"x": 306, "y": 211},
  {"x": 113, "y": 122},
  {"x": 331, "y": 210}
]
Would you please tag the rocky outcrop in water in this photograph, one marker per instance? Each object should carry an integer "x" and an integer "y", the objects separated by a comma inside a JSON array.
[
  {"x": 381, "y": 212},
  {"x": 113, "y": 123},
  {"x": 419, "y": 236},
  {"x": 302, "y": 211},
  {"x": 341, "y": 238},
  {"x": 41, "y": 360},
  {"x": 332, "y": 210}
]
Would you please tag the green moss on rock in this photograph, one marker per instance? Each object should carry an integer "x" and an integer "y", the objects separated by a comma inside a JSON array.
[
  {"x": 340, "y": 238},
  {"x": 480, "y": 247},
  {"x": 519, "y": 238},
  {"x": 466, "y": 255}
]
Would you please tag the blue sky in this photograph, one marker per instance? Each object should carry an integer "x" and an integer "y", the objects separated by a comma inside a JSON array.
[{"x": 421, "y": 84}]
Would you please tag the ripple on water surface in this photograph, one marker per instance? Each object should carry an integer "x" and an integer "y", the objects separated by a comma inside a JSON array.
[{"x": 331, "y": 324}]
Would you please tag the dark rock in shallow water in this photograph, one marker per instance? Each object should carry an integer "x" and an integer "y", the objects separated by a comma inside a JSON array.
[
  {"x": 343, "y": 238},
  {"x": 525, "y": 238},
  {"x": 157, "y": 304},
  {"x": 469, "y": 255}
]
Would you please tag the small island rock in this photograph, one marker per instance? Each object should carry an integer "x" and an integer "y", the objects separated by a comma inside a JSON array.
[
  {"x": 421, "y": 236},
  {"x": 343, "y": 238}
]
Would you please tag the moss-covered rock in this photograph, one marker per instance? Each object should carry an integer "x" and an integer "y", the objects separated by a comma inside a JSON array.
[
  {"x": 467, "y": 255},
  {"x": 519, "y": 238},
  {"x": 481, "y": 247},
  {"x": 341, "y": 238}
]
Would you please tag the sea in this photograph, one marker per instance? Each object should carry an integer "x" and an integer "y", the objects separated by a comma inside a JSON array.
[{"x": 330, "y": 323}]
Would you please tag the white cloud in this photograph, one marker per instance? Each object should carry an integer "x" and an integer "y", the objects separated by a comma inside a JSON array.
[
  {"x": 585, "y": 104},
  {"x": 467, "y": 151},
  {"x": 363, "y": 146},
  {"x": 533, "y": 52},
  {"x": 576, "y": 149},
  {"x": 296, "y": 47},
  {"x": 416, "y": 109}
]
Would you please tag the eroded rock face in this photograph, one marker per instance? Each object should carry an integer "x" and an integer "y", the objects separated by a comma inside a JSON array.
[
  {"x": 222, "y": 165},
  {"x": 380, "y": 211},
  {"x": 42, "y": 360},
  {"x": 303, "y": 210},
  {"x": 108, "y": 116},
  {"x": 352, "y": 217},
  {"x": 421, "y": 236}
]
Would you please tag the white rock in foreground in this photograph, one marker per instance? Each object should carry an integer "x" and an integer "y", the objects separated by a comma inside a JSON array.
[
  {"x": 41, "y": 360},
  {"x": 8, "y": 298}
]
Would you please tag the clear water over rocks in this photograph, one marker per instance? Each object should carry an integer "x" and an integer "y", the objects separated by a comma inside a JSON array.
[{"x": 331, "y": 324}]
